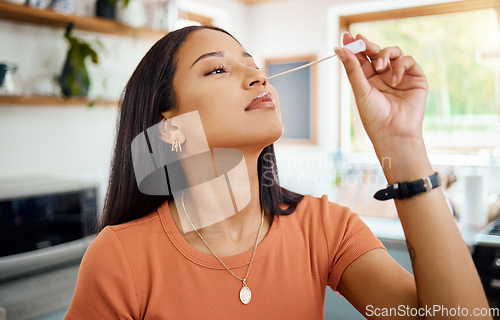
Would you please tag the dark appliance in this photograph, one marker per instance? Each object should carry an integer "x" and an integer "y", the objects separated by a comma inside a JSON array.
[
  {"x": 486, "y": 257},
  {"x": 44, "y": 223}
]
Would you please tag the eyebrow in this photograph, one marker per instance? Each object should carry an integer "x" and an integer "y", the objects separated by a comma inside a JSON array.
[{"x": 218, "y": 54}]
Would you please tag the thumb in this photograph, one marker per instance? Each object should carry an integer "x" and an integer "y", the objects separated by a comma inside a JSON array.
[{"x": 359, "y": 83}]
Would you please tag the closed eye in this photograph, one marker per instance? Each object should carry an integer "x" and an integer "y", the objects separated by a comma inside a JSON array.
[{"x": 218, "y": 70}]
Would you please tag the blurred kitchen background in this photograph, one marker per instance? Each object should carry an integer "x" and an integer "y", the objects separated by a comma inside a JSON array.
[{"x": 64, "y": 64}]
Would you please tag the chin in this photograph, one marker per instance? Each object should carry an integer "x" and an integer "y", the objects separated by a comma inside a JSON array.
[
  {"x": 275, "y": 133},
  {"x": 263, "y": 138},
  {"x": 257, "y": 137}
]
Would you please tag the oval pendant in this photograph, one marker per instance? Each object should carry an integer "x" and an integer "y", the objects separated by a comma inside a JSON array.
[{"x": 245, "y": 294}]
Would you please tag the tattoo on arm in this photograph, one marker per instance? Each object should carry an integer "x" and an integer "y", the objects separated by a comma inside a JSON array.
[{"x": 412, "y": 253}]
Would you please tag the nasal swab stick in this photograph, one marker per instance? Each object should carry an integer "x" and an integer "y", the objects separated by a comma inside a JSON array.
[{"x": 356, "y": 47}]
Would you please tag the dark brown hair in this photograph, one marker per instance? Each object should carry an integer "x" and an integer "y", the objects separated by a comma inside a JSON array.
[{"x": 148, "y": 93}]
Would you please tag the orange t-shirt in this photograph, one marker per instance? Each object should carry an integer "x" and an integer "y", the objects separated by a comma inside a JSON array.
[{"x": 145, "y": 269}]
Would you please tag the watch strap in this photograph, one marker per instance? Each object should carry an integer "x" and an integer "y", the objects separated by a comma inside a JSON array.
[{"x": 402, "y": 190}]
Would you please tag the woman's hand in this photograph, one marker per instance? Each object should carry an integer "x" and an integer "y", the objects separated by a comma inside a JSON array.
[{"x": 390, "y": 91}]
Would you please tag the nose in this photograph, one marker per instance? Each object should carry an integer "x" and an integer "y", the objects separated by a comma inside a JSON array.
[{"x": 255, "y": 78}]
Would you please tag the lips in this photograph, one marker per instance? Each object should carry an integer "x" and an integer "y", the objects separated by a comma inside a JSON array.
[{"x": 263, "y": 100}]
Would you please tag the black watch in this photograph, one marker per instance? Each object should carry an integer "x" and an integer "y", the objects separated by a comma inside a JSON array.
[{"x": 402, "y": 190}]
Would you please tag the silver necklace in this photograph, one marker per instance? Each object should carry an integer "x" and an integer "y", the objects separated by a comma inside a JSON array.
[{"x": 245, "y": 293}]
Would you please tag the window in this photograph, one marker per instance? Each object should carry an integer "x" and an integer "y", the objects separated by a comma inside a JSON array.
[{"x": 457, "y": 45}]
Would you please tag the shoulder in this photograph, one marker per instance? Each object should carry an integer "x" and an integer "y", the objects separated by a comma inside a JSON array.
[
  {"x": 130, "y": 238},
  {"x": 131, "y": 229},
  {"x": 320, "y": 218},
  {"x": 322, "y": 211},
  {"x": 105, "y": 280},
  {"x": 337, "y": 220},
  {"x": 323, "y": 203},
  {"x": 135, "y": 225},
  {"x": 342, "y": 229}
]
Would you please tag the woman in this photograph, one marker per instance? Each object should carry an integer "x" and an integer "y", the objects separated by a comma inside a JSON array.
[{"x": 274, "y": 258}]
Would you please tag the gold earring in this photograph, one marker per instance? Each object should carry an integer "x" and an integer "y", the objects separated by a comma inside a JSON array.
[{"x": 171, "y": 134}]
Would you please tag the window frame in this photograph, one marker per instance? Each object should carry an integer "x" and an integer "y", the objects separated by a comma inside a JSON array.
[{"x": 312, "y": 90}]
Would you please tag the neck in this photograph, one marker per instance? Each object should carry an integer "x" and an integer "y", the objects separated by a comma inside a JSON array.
[{"x": 237, "y": 231}]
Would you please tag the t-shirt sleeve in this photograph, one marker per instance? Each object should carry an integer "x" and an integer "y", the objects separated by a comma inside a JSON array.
[
  {"x": 348, "y": 237},
  {"x": 105, "y": 287}
]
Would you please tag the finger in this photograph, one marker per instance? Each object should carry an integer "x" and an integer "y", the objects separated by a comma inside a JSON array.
[
  {"x": 405, "y": 66},
  {"x": 363, "y": 60},
  {"x": 381, "y": 61},
  {"x": 355, "y": 73},
  {"x": 372, "y": 49},
  {"x": 347, "y": 38}
]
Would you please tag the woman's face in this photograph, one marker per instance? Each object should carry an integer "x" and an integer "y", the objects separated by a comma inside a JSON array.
[{"x": 217, "y": 77}]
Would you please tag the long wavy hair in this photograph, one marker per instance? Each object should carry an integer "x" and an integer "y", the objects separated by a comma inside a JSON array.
[{"x": 148, "y": 93}]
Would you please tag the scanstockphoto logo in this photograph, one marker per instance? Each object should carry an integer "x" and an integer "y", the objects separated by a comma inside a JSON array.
[
  {"x": 430, "y": 311},
  {"x": 270, "y": 172}
]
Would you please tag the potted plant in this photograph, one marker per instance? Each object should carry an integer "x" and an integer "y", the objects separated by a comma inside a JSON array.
[
  {"x": 115, "y": 2},
  {"x": 74, "y": 79}
]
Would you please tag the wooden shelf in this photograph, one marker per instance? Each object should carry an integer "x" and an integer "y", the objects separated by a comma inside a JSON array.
[
  {"x": 51, "y": 18},
  {"x": 53, "y": 101}
]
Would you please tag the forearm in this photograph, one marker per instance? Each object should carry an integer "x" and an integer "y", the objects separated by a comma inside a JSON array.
[{"x": 444, "y": 272}]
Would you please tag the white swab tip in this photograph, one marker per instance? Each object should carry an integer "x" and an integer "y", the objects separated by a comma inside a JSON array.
[{"x": 356, "y": 46}]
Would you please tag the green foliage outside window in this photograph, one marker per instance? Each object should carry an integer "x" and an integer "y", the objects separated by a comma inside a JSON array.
[{"x": 463, "y": 85}]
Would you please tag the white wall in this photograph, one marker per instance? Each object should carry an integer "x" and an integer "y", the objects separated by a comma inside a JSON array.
[
  {"x": 230, "y": 15},
  {"x": 61, "y": 140}
]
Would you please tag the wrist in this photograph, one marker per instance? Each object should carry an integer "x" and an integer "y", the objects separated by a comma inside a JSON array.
[
  {"x": 404, "y": 160},
  {"x": 408, "y": 189}
]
